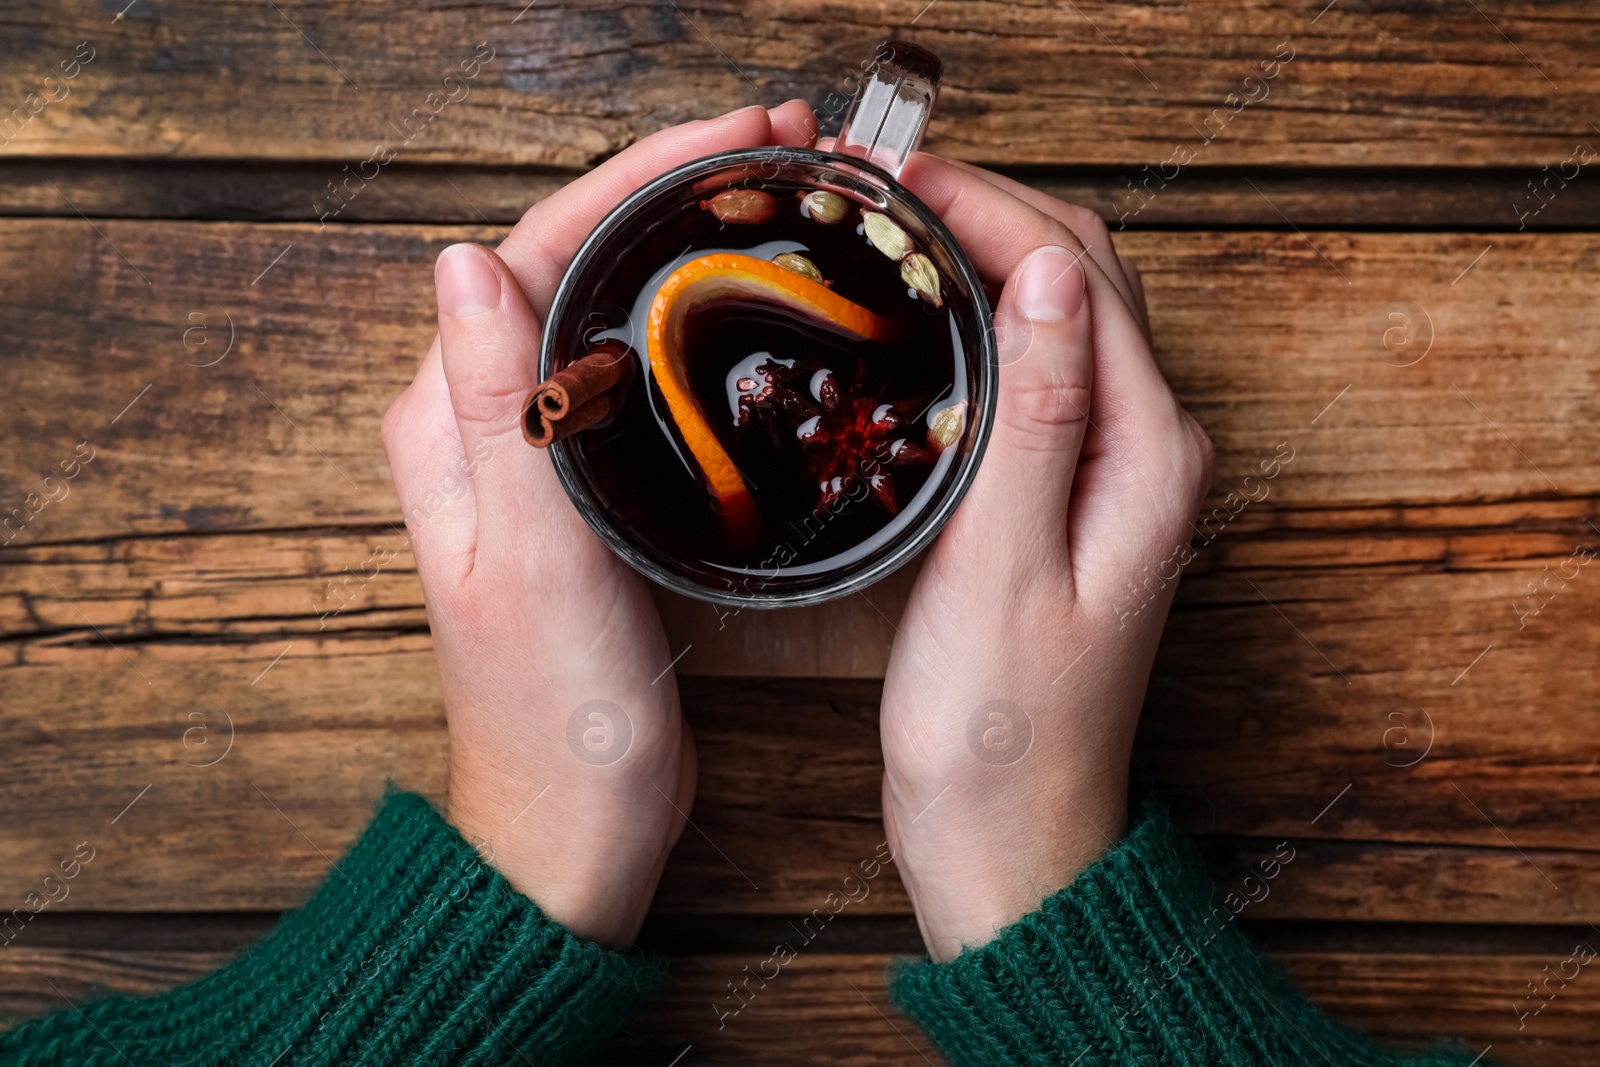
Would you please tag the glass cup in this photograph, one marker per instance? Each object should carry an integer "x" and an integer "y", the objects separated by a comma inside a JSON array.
[{"x": 884, "y": 126}]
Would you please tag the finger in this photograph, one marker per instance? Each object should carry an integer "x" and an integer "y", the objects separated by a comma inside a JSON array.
[
  {"x": 793, "y": 123},
  {"x": 997, "y": 231},
  {"x": 489, "y": 342},
  {"x": 1085, "y": 224},
  {"x": 543, "y": 242},
  {"x": 1145, "y": 471},
  {"x": 1090, "y": 227},
  {"x": 1025, "y": 482},
  {"x": 1131, "y": 268},
  {"x": 432, "y": 475},
  {"x": 1141, "y": 452},
  {"x": 1011, "y": 226},
  {"x": 1136, "y": 280}
]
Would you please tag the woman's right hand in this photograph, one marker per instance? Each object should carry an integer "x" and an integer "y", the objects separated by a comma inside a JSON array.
[{"x": 568, "y": 754}]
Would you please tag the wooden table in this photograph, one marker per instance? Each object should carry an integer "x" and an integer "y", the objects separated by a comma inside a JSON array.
[{"x": 1347, "y": 258}]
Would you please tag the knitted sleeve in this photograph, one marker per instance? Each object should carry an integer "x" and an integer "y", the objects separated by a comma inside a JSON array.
[
  {"x": 1133, "y": 964},
  {"x": 412, "y": 951}
]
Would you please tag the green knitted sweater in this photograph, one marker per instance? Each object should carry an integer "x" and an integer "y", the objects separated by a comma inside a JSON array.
[
  {"x": 415, "y": 951},
  {"x": 1133, "y": 965}
]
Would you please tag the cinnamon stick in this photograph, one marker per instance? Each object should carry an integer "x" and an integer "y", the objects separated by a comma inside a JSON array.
[
  {"x": 543, "y": 431},
  {"x": 577, "y": 396},
  {"x": 601, "y": 367}
]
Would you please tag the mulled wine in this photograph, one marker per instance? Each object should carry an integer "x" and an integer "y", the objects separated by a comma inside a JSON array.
[
  {"x": 769, "y": 373},
  {"x": 797, "y": 388}
]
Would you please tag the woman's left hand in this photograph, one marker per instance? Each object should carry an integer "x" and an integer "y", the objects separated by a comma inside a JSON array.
[{"x": 1016, "y": 678}]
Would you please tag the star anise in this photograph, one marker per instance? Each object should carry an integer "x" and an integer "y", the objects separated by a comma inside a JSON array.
[{"x": 845, "y": 436}]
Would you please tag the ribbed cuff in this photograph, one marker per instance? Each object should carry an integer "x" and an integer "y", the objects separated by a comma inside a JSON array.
[
  {"x": 1134, "y": 963},
  {"x": 413, "y": 951}
]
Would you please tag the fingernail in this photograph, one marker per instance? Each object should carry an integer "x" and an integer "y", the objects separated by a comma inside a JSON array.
[
  {"x": 1050, "y": 285},
  {"x": 466, "y": 280}
]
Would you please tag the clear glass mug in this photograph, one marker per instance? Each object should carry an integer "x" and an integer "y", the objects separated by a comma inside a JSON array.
[{"x": 884, "y": 126}]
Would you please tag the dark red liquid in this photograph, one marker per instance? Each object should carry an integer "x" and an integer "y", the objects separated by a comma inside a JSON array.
[{"x": 830, "y": 433}]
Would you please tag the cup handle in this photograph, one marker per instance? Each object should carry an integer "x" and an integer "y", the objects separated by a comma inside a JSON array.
[{"x": 890, "y": 113}]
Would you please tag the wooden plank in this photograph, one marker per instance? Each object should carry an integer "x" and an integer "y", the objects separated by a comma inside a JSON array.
[
  {"x": 1412, "y": 998},
  {"x": 570, "y": 83},
  {"x": 26, "y": 975},
  {"x": 1266, "y": 337},
  {"x": 267, "y": 191},
  {"x": 1401, "y": 663},
  {"x": 1449, "y": 198},
  {"x": 139, "y": 589},
  {"x": 301, "y": 777},
  {"x": 1403, "y": 999},
  {"x": 1393, "y": 881},
  {"x": 789, "y": 789},
  {"x": 826, "y": 1007}
]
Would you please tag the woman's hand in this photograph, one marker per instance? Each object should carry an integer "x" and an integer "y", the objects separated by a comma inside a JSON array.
[
  {"x": 568, "y": 753},
  {"x": 1015, "y": 683}
]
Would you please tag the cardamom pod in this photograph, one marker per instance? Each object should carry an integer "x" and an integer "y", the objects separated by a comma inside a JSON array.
[
  {"x": 825, "y": 207},
  {"x": 945, "y": 426},
  {"x": 918, "y": 271},
  {"x": 885, "y": 234},
  {"x": 799, "y": 264},
  {"x": 741, "y": 207}
]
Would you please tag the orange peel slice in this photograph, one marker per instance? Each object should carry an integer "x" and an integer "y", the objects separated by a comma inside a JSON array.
[{"x": 723, "y": 276}]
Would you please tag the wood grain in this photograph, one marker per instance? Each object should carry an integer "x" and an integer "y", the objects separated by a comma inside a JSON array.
[
  {"x": 1370, "y": 591},
  {"x": 1401, "y": 198},
  {"x": 141, "y": 589},
  {"x": 1266, "y": 337},
  {"x": 192, "y": 680},
  {"x": 789, "y": 790},
  {"x": 571, "y": 83},
  {"x": 832, "y": 1007}
]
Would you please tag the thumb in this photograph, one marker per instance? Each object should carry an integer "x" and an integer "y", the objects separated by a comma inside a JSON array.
[
  {"x": 1046, "y": 374},
  {"x": 489, "y": 340}
]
